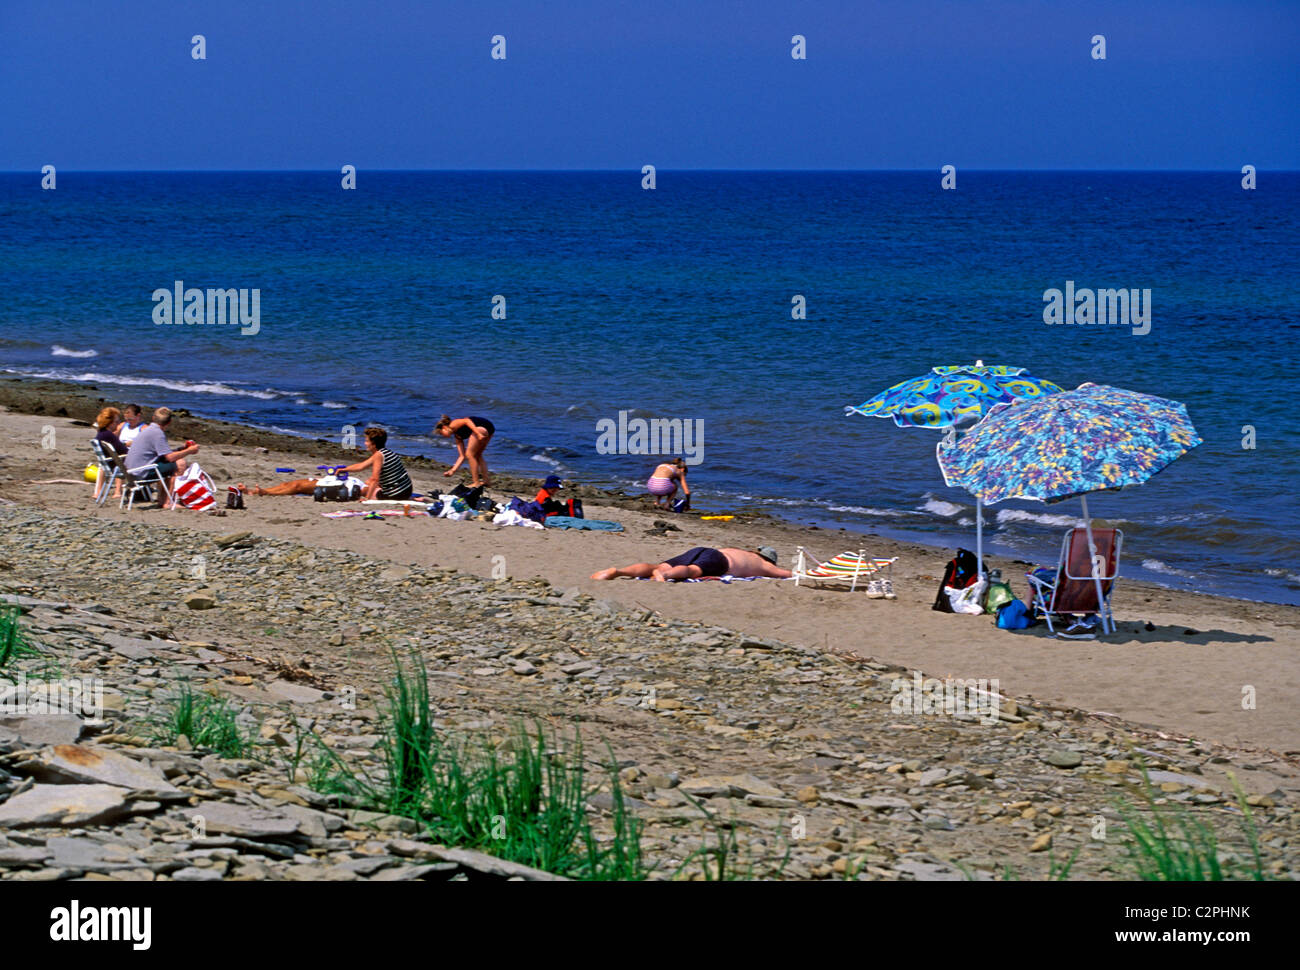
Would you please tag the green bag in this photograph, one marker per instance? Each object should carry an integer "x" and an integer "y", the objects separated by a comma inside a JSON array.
[{"x": 998, "y": 595}]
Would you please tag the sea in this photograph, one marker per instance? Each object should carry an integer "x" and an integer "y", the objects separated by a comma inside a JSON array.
[{"x": 752, "y": 305}]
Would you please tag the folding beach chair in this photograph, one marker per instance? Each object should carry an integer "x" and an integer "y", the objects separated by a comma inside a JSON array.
[
  {"x": 1070, "y": 589},
  {"x": 111, "y": 468},
  {"x": 847, "y": 567},
  {"x": 139, "y": 481}
]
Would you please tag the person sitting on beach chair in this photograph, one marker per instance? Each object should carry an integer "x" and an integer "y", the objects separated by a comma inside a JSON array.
[
  {"x": 703, "y": 563},
  {"x": 388, "y": 476},
  {"x": 150, "y": 449}
]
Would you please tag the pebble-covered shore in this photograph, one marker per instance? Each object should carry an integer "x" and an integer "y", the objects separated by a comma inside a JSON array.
[{"x": 792, "y": 748}]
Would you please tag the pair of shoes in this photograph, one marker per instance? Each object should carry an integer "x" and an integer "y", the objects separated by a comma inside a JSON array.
[
  {"x": 887, "y": 585},
  {"x": 1079, "y": 630},
  {"x": 874, "y": 590}
]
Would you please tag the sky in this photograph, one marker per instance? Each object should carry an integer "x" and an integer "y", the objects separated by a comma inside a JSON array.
[{"x": 697, "y": 84}]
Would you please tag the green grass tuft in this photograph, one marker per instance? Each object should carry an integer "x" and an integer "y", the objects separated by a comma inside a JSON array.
[
  {"x": 208, "y": 722},
  {"x": 1169, "y": 844}
]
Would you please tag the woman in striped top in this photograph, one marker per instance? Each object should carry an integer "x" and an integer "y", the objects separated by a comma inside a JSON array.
[{"x": 388, "y": 477}]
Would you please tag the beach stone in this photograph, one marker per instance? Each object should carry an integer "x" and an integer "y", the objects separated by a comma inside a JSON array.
[
  {"x": 1044, "y": 841},
  {"x": 1062, "y": 758},
  {"x": 200, "y": 601},
  {"x": 737, "y": 786},
  {"x": 196, "y": 874},
  {"x": 75, "y": 763},
  {"x": 1179, "y": 781},
  {"x": 64, "y": 805},
  {"x": 297, "y": 693},
  {"x": 39, "y": 730},
  {"x": 244, "y": 821},
  {"x": 27, "y": 855},
  {"x": 89, "y": 855}
]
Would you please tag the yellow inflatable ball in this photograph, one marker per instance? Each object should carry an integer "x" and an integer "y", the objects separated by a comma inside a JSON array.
[{"x": 92, "y": 472}]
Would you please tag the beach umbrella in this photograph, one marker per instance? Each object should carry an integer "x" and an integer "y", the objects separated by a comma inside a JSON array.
[
  {"x": 954, "y": 398},
  {"x": 1069, "y": 445}
]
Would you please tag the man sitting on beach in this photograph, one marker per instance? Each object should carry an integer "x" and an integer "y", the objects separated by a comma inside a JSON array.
[
  {"x": 150, "y": 447},
  {"x": 704, "y": 563}
]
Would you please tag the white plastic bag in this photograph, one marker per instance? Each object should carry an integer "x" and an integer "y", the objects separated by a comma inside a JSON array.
[{"x": 967, "y": 600}]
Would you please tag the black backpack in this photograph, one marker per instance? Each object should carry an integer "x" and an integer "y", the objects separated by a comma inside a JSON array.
[{"x": 958, "y": 574}]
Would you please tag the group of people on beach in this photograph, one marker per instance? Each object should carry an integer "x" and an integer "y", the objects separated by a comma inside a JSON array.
[
  {"x": 123, "y": 432},
  {"x": 387, "y": 477}
]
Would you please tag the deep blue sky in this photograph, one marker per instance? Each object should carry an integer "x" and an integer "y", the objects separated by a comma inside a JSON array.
[{"x": 1187, "y": 84}]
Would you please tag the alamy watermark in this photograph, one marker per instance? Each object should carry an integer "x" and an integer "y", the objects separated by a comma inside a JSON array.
[
  {"x": 81, "y": 697},
  {"x": 1105, "y": 306},
  {"x": 212, "y": 306},
  {"x": 653, "y": 436},
  {"x": 979, "y": 698}
]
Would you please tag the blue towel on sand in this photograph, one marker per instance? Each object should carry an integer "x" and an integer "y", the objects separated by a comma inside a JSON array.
[{"x": 567, "y": 522}]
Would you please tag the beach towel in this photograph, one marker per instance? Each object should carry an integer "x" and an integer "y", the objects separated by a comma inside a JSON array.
[
  {"x": 409, "y": 513},
  {"x": 194, "y": 489},
  {"x": 511, "y": 517},
  {"x": 593, "y": 525},
  {"x": 709, "y": 579}
]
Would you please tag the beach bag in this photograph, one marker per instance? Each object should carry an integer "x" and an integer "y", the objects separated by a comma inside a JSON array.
[
  {"x": 529, "y": 510},
  {"x": 958, "y": 574},
  {"x": 1014, "y": 616},
  {"x": 966, "y": 600},
  {"x": 470, "y": 495},
  {"x": 234, "y": 498},
  {"x": 194, "y": 489},
  {"x": 998, "y": 596}
]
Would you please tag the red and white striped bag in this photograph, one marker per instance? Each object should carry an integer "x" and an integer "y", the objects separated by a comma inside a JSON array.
[{"x": 195, "y": 489}]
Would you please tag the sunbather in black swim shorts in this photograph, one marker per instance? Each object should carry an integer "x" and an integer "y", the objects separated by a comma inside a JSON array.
[{"x": 711, "y": 561}]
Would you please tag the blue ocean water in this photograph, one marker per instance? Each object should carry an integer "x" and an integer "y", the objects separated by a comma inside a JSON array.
[{"x": 376, "y": 306}]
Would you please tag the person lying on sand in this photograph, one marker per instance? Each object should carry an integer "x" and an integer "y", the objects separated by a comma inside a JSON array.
[
  {"x": 388, "y": 476},
  {"x": 704, "y": 563}
]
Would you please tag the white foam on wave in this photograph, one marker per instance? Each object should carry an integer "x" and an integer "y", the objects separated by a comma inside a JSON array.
[
  {"x": 1038, "y": 518},
  {"x": 58, "y": 351},
  {"x": 547, "y": 460},
  {"x": 188, "y": 387},
  {"x": 938, "y": 506},
  {"x": 1158, "y": 566},
  {"x": 867, "y": 510},
  {"x": 332, "y": 404},
  {"x": 1283, "y": 574}
]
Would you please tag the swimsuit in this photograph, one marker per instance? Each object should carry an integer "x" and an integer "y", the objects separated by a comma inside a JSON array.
[
  {"x": 394, "y": 483},
  {"x": 464, "y": 433},
  {"x": 712, "y": 562},
  {"x": 660, "y": 486}
]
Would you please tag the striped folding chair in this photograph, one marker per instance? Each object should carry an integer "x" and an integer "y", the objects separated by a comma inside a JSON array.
[{"x": 847, "y": 567}]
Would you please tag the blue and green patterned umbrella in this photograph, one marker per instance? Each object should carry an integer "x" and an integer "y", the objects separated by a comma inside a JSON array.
[
  {"x": 1086, "y": 440},
  {"x": 1090, "y": 439},
  {"x": 954, "y": 396}
]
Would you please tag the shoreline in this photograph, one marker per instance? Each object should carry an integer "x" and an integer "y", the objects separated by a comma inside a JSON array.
[
  {"x": 1184, "y": 674},
  {"x": 81, "y": 401}
]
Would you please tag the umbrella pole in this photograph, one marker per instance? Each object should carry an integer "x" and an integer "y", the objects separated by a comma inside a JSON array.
[
  {"x": 979, "y": 537},
  {"x": 1092, "y": 564}
]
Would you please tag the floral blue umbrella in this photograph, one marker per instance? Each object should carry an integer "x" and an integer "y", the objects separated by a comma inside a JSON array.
[
  {"x": 954, "y": 398},
  {"x": 1069, "y": 444}
]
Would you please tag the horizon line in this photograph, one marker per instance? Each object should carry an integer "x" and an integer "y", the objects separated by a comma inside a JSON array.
[{"x": 565, "y": 171}]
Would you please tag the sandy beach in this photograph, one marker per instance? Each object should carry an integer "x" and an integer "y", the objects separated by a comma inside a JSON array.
[{"x": 1179, "y": 662}]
